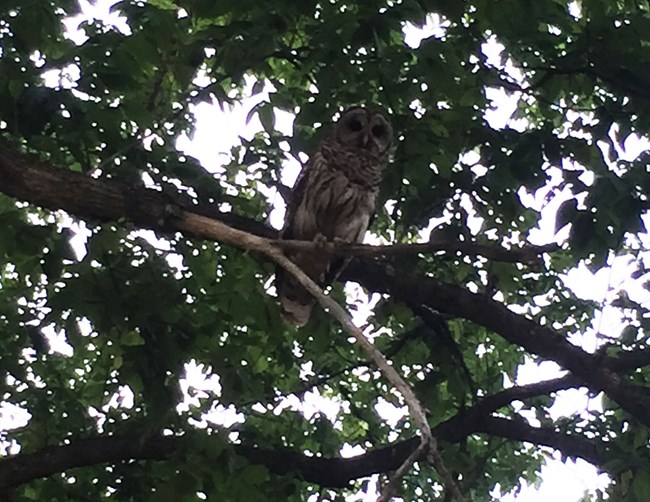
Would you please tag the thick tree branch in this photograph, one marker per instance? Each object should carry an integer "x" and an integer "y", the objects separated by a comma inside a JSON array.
[
  {"x": 569, "y": 445},
  {"x": 517, "y": 329},
  {"x": 24, "y": 177},
  {"x": 628, "y": 360},
  {"x": 328, "y": 472},
  {"x": 519, "y": 393}
]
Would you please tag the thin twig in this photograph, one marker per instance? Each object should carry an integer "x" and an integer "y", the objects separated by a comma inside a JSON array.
[
  {"x": 527, "y": 254},
  {"x": 389, "y": 491},
  {"x": 428, "y": 443},
  {"x": 336, "y": 311}
]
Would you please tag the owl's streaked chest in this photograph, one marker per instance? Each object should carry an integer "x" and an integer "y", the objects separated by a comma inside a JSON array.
[{"x": 333, "y": 204}]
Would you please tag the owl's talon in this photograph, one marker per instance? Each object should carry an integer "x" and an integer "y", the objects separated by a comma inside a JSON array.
[
  {"x": 320, "y": 241},
  {"x": 340, "y": 242}
]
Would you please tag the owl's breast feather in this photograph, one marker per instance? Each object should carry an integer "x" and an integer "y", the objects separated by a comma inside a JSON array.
[{"x": 360, "y": 166}]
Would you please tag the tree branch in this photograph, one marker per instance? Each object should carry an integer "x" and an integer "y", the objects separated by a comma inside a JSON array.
[
  {"x": 628, "y": 360},
  {"x": 570, "y": 445},
  {"x": 327, "y": 472},
  {"x": 492, "y": 403},
  {"x": 24, "y": 177},
  {"x": 517, "y": 329},
  {"x": 527, "y": 254}
]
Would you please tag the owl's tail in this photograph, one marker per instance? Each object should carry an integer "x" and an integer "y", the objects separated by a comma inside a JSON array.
[
  {"x": 296, "y": 302},
  {"x": 296, "y": 311}
]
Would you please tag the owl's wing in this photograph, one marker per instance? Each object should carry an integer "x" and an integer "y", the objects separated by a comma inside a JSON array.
[
  {"x": 297, "y": 194},
  {"x": 296, "y": 302}
]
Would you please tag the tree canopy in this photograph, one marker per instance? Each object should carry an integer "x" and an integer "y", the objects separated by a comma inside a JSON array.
[{"x": 153, "y": 365}]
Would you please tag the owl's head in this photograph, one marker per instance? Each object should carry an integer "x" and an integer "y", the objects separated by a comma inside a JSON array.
[{"x": 362, "y": 128}]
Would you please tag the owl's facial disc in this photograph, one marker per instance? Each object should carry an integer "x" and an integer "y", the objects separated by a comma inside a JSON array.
[{"x": 362, "y": 129}]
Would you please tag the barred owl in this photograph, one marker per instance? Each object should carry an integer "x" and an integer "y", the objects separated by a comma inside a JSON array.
[{"x": 334, "y": 198}]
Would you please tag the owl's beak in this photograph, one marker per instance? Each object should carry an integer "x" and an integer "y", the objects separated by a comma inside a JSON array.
[{"x": 365, "y": 139}]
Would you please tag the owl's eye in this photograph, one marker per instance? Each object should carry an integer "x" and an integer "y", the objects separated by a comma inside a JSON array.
[
  {"x": 378, "y": 131},
  {"x": 355, "y": 125}
]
